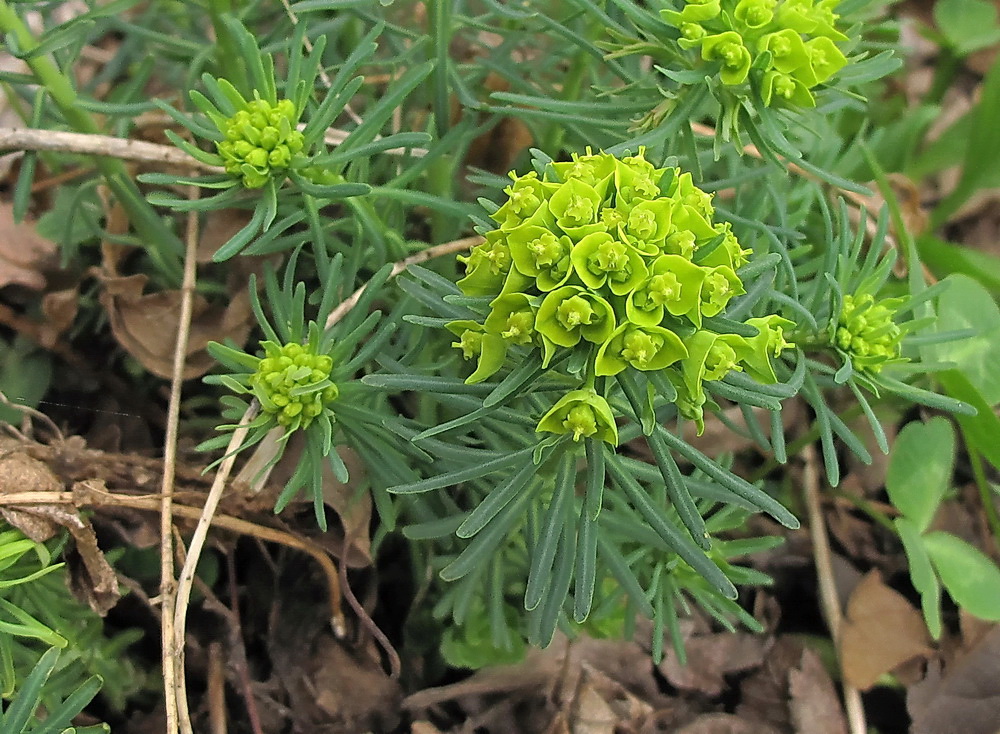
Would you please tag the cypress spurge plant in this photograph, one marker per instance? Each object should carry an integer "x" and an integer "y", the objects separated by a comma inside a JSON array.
[
  {"x": 599, "y": 297},
  {"x": 301, "y": 378},
  {"x": 270, "y": 137}
]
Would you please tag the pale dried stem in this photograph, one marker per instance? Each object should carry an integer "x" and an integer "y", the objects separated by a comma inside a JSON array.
[
  {"x": 173, "y": 674},
  {"x": 93, "y": 497},
  {"x": 27, "y": 138},
  {"x": 827, "y": 587},
  {"x": 127, "y": 149},
  {"x": 186, "y": 580}
]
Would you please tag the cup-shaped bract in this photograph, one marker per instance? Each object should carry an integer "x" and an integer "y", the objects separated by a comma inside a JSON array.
[{"x": 582, "y": 413}]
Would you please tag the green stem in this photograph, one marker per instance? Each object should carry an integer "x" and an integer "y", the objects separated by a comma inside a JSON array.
[
  {"x": 985, "y": 493},
  {"x": 572, "y": 83},
  {"x": 164, "y": 246},
  {"x": 228, "y": 55}
]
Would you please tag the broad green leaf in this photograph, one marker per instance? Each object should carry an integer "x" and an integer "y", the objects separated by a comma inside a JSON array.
[
  {"x": 980, "y": 430},
  {"x": 945, "y": 258},
  {"x": 922, "y": 575},
  {"x": 971, "y": 578},
  {"x": 965, "y": 304},
  {"x": 920, "y": 469},
  {"x": 967, "y": 25}
]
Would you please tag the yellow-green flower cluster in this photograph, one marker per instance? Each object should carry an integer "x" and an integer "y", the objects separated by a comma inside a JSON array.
[
  {"x": 293, "y": 383},
  {"x": 799, "y": 38},
  {"x": 261, "y": 141},
  {"x": 620, "y": 260},
  {"x": 867, "y": 331}
]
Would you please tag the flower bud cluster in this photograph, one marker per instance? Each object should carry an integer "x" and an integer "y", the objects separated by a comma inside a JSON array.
[
  {"x": 867, "y": 332},
  {"x": 799, "y": 38},
  {"x": 261, "y": 141},
  {"x": 293, "y": 383},
  {"x": 618, "y": 260}
]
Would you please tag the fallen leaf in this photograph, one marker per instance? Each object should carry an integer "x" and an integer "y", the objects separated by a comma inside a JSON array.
[
  {"x": 591, "y": 714},
  {"x": 91, "y": 578},
  {"x": 764, "y": 693},
  {"x": 726, "y": 724},
  {"x": 146, "y": 325},
  {"x": 59, "y": 308},
  {"x": 813, "y": 702},
  {"x": 21, "y": 473},
  {"x": 966, "y": 699},
  {"x": 881, "y": 629},
  {"x": 712, "y": 657},
  {"x": 24, "y": 254}
]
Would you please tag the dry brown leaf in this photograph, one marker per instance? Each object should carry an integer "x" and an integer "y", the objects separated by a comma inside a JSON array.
[
  {"x": 91, "y": 577},
  {"x": 813, "y": 702},
  {"x": 881, "y": 629},
  {"x": 146, "y": 325},
  {"x": 354, "y": 508},
  {"x": 24, "y": 254},
  {"x": 726, "y": 724},
  {"x": 966, "y": 700},
  {"x": 220, "y": 226},
  {"x": 591, "y": 714},
  {"x": 354, "y": 691},
  {"x": 59, "y": 308},
  {"x": 711, "y": 657},
  {"x": 764, "y": 693}
]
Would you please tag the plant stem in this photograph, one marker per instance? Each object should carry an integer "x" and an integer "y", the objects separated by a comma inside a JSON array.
[
  {"x": 164, "y": 246},
  {"x": 570, "y": 92},
  {"x": 985, "y": 493},
  {"x": 228, "y": 55}
]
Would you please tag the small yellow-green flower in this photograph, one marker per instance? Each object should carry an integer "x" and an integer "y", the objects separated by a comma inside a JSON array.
[
  {"x": 867, "y": 332},
  {"x": 293, "y": 383},
  {"x": 584, "y": 414},
  {"x": 261, "y": 141}
]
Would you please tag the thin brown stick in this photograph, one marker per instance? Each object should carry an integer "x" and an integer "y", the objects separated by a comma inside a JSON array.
[
  {"x": 173, "y": 679},
  {"x": 827, "y": 587},
  {"x": 395, "y": 666},
  {"x": 186, "y": 580},
  {"x": 216, "y": 689},
  {"x": 26, "y": 138},
  {"x": 238, "y": 654}
]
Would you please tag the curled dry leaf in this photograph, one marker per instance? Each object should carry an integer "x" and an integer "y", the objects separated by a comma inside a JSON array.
[
  {"x": 726, "y": 724},
  {"x": 881, "y": 630},
  {"x": 712, "y": 657},
  {"x": 59, "y": 308},
  {"x": 966, "y": 699},
  {"x": 146, "y": 325},
  {"x": 21, "y": 473},
  {"x": 813, "y": 702},
  {"x": 24, "y": 254},
  {"x": 91, "y": 578}
]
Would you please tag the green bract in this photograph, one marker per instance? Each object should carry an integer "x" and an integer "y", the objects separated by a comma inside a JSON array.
[
  {"x": 618, "y": 263},
  {"x": 582, "y": 413},
  {"x": 775, "y": 50}
]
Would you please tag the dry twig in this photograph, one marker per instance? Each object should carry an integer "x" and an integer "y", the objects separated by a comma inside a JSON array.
[
  {"x": 827, "y": 588},
  {"x": 27, "y": 138},
  {"x": 173, "y": 676}
]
